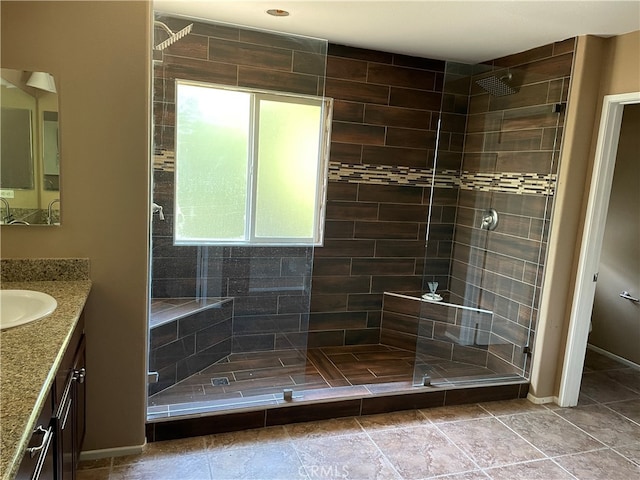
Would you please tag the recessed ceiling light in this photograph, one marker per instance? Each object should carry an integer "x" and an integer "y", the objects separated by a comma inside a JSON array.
[{"x": 276, "y": 12}]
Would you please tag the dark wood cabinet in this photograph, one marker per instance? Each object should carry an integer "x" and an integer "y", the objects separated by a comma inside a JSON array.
[
  {"x": 57, "y": 439},
  {"x": 39, "y": 460},
  {"x": 69, "y": 417}
]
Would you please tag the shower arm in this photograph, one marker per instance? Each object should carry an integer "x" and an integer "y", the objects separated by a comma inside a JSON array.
[
  {"x": 164, "y": 26},
  {"x": 173, "y": 36}
]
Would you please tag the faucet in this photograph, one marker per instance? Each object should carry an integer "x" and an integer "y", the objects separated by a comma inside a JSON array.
[
  {"x": 8, "y": 218},
  {"x": 50, "y": 211}
]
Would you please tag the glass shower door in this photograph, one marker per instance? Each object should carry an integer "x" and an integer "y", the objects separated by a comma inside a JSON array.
[
  {"x": 229, "y": 308},
  {"x": 481, "y": 324}
]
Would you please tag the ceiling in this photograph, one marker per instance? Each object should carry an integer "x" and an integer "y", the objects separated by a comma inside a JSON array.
[{"x": 462, "y": 31}]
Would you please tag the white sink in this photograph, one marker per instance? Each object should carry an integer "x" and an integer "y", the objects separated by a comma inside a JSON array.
[{"x": 18, "y": 307}]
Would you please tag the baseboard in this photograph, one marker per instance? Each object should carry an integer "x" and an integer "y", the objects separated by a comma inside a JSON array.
[
  {"x": 541, "y": 400},
  {"x": 613, "y": 356},
  {"x": 111, "y": 452}
]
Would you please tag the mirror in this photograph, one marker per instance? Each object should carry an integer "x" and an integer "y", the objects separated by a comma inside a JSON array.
[{"x": 29, "y": 149}]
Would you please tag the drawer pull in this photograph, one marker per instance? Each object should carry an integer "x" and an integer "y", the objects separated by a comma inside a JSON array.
[
  {"x": 33, "y": 451},
  {"x": 79, "y": 375}
]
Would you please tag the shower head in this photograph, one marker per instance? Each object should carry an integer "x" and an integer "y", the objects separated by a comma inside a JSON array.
[
  {"x": 173, "y": 37},
  {"x": 498, "y": 87}
]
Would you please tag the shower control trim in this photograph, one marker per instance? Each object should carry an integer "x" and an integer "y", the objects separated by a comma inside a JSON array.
[{"x": 489, "y": 219}]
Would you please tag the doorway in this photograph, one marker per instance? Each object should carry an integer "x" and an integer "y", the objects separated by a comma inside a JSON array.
[{"x": 593, "y": 235}]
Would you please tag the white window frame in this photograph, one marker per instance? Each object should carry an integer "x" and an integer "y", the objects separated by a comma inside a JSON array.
[{"x": 252, "y": 163}]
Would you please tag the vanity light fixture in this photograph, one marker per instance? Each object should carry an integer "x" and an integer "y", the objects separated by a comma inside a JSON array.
[
  {"x": 42, "y": 81},
  {"x": 276, "y": 12}
]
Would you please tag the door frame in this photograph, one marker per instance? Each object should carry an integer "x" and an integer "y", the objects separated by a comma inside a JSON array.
[{"x": 591, "y": 245}]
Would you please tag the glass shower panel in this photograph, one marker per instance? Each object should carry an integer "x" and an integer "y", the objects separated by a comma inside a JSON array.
[
  {"x": 480, "y": 323},
  {"x": 229, "y": 321}
]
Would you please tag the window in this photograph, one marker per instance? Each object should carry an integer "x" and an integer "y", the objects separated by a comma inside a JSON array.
[{"x": 250, "y": 166}]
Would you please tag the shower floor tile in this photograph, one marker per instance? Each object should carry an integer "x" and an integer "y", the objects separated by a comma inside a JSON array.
[{"x": 267, "y": 374}]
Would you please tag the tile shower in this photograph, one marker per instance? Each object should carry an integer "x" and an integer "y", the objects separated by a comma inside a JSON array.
[{"x": 418, "y": 150}]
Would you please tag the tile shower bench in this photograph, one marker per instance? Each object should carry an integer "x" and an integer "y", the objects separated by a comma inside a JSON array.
[{"x": 186, "y": 335}]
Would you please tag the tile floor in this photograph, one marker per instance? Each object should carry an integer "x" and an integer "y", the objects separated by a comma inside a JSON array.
[{"x": 506, "y": 440}]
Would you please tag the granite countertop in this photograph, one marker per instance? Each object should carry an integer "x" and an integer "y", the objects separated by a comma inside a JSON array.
[{"x": 29, "y": 358}]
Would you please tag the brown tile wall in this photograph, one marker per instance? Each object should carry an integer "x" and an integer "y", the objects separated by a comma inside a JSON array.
[{"x": 386, "y": 108}]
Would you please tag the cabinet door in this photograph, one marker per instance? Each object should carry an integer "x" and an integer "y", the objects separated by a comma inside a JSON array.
[
  {"x": 70, "y": 417},
  {"x": 80, "y": 391},
  {"x": 38, "y": 462},
  {"x": 64, "y": 423}
]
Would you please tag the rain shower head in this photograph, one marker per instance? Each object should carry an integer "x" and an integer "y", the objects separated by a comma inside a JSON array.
[
  {"x": 498, "y": 87},
  {"x": 173, "y": 37}
]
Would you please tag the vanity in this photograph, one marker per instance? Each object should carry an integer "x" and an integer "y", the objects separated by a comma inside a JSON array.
[{"x": 42, "y": 379}]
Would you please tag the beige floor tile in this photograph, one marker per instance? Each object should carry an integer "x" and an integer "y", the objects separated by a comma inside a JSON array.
[
  {"x": 629, "y": 377},
  {"x": 473, "y": 475},
  {"x": 347, "y": 457},
  {"x": 164, "y": 449},
  {"x": 629, "y": 408},
  {"x": 94, "y": 474},
  {"x": 510, "y": 407},
  {"x": 604, "y": 424},
  {"x": 596, "y": 361},
  {"x": 536, "y": 470},
  {"x": 421, "y": 452},
  {"x": 632, "y": 452},
  {"x": 323, "y": 428},
  {"x": 404, "y": 418},
  {"x": 603, "y": 389},
  {"x": 97, "y": 463},
  {"x": 264, "y": 462},
  {"x": 599, "y": 465},
  {"x": 455, "y": 413},
  {"x": 551, "y": 433},
  {"x": 246, "y": 438},
  {"x": 489, "y": 443},
  {"x": 193, "y": 467}
]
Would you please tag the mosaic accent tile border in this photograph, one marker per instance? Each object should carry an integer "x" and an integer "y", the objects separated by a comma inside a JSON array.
[
  {"x": 392, "y": 175},
  {"x": 164, "y": 161},
  {"x": 503, "y": 182},
  {"x": 509, "y": 182}
]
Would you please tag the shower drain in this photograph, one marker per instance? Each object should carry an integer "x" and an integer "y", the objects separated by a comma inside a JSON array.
[{"x": 219, "y": 381}]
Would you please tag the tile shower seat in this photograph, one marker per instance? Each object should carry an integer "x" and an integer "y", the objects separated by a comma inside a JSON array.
[{"x": 186, "y": 335}]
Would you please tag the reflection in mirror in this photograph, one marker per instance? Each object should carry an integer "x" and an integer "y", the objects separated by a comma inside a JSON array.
[
  {"x": 50, "y": 151},
  {"x": 17, "y": 152},
  {"x": 30, "y": 149}
]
